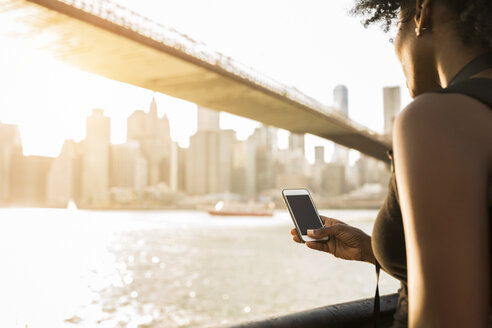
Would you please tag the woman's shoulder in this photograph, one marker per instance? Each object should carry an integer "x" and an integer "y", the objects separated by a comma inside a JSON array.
[
  {"x": 456, "y": 113},
  {"x": 455, "y": 123}
]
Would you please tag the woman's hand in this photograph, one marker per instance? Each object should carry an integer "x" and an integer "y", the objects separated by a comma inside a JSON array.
[{"x": 346, "y": 242}]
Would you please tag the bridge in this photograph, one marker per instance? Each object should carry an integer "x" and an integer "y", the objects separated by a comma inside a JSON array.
[{"x": 107, "y": 39}]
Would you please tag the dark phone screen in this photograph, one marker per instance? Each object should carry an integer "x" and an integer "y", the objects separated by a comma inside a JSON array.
[{"x": 304, "y": 212}]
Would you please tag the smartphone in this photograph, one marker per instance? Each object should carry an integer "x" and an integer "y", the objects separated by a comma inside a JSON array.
[{"x": 303, "y": 212}]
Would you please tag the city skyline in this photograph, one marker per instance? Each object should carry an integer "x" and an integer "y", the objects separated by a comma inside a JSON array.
[
  {"x": 225, "y": 121},
  {"x": 150, "y": 170},
  {"x": 39, "y": 89}
]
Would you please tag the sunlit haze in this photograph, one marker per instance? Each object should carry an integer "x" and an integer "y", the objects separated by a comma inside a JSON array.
[
  {"x": 142, "y": 233},
  {"x": 312, "y": 45}
]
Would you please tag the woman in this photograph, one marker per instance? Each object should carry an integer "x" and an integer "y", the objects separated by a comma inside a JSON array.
[{"x": 434, "y": 230}]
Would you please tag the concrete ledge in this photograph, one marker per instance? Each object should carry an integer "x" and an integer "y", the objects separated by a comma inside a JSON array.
[{"x": 352, "y": 314}]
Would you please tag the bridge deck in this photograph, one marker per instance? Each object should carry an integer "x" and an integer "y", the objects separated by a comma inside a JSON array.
[{"x": 113, "y": 42}]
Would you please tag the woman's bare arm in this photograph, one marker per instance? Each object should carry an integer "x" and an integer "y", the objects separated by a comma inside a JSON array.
[{"x": 442, "y": 168}]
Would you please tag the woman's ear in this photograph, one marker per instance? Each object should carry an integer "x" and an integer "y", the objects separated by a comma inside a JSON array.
[{"x": 422, "y": 16}]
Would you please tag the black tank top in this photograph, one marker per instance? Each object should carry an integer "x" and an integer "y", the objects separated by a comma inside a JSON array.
[{"x": 388, "y": 238}]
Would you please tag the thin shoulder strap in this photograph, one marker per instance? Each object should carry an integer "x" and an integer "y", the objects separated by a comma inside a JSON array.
[
  {"x": 376, "y": 297},
  {"x": 477, "y": 88}
]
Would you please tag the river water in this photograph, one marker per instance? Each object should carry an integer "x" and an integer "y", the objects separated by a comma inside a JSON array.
[{"x": 71, "y": 268}]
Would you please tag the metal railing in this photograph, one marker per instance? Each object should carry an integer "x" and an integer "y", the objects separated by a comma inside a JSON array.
[{"x": 357, "y": 314}]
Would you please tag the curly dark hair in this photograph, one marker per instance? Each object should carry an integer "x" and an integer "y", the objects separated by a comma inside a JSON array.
[{"x": 473, "y": 17}]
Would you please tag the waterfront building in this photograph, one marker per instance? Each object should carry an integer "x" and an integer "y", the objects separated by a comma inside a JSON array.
[
  {"x": 244, "y": 168},
  {"x": 182, "y": 162},
  {"x": 209, "y": 164},
  {"x": 391, "y": 102},
  {"x": 264, "y": 141},
  {"x": 153, "y": 134},
  {"x": 227, "y": 139},
  {"x": 316, "y": 181},
  {"x": 128, "y": 167},
  {"x": 174, "y": 167},
  {"x": 291, "y": 181},
  {"x": 28, "y": 179},
  {"x": 372, "y": 171},
  {"x": 239, "y": 167},
  {"x": 353, "y": 178},
  {"x": 77, "y": 172},
  {"x": 292, "y": 169},
  {"x": 296, "y": 142},
  {"x": 340, "y": 99},
  {"x": 59, "y": 185},
  {"x": 207, "y": 119},
  {"x": 202, "y": 152},
  {"x": 319, "y": 155},
  {"x": 95, "y": 167},
  {"x": 333, "y": 179},
  {"x": 199, "y": 165},
  {"x": 10, "y": 143}
]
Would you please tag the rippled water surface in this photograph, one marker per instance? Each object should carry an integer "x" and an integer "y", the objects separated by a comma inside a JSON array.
[{"x": 65, "y": 268}]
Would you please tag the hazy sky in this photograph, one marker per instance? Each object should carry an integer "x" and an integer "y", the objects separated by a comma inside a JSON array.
[{"x": 310, "y": 44}]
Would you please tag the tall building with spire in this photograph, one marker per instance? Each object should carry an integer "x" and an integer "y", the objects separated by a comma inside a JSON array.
[{"x": 153, "y": 134}]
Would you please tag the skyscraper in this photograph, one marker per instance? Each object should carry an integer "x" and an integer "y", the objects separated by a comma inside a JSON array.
[
  {"x": 244, "y": 168},
  {"x": 128, "y": 167},
  {"x": 319, "y": 155},
  {"x": 227, "y": 139},
  {"x": 95, "y": 170},
  {"x": 153, "y": 135},
  {"x": 28, "y": 179},
  {"x": 182, "y": 171},
  {"x": 202, "y": 164},
  {"x": 317, "y": 170},
  {"x": 291, "y": 169},
  {"x": 10, "y": 143},
  {"x": 59, "y": 185},
  {"x": 334, "y": 182},
  {"x": 340, "y": 99},
  {"x": 264, "y": 140},
  {"x": 209, "y": 163},
  {"x": 207, "y": 119},
  {"x": 391, "y": 100},
  {"x": 296, "y": 142}
]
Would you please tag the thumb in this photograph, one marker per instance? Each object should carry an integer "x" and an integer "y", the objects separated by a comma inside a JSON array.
[{"x": 323, "y": 232}]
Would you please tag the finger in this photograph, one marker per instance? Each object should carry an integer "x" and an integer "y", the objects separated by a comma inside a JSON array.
[
  {"x": 293, "y": 232},
  {"x": 327, "y": 221},
  {"x": 319, "y": 246},
  {"x": 324, "y": 232},
  {"x": 296, "y": 239}
]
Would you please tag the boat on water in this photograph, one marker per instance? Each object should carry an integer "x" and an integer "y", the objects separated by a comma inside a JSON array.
[
  {"x": 242, "y": 209},
  {"x": 71, "y": 205}
]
